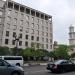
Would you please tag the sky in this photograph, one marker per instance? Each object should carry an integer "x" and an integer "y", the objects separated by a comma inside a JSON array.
[{"x": 62, "y": 11}]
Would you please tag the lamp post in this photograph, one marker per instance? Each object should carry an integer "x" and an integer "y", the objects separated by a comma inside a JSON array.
[{"x": 17, "y": 41}]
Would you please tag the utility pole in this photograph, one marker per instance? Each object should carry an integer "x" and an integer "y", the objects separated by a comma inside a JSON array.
[{"x": 17, "y": 42}]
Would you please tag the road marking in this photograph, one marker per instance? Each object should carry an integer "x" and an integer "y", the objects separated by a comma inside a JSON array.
[{"x": 36, "y": 71}]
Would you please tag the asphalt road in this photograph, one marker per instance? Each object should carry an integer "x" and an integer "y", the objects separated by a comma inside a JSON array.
[{"x": 41, "y": 70}]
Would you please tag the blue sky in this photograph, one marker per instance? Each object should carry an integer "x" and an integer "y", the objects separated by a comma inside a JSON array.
[{"x": 63, "y": 12}]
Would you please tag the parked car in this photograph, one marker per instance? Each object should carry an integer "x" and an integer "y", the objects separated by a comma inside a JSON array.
[
  {"x": 8, "y": 69},
  {"x": 61, "y": 66}
]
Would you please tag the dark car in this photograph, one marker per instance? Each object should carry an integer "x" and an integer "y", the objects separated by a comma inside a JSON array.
[
  {"x": 8, "y": 69},
  {"x": 61, "y": 66}
]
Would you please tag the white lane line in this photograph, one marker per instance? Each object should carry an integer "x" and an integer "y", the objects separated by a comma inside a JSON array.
[{"x": 37, "y": 71}]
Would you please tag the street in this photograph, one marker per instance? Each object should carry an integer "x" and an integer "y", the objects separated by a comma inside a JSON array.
[{"x": 41, "y": 70}]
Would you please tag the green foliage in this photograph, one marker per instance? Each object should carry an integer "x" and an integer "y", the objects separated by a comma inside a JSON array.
[
  {"x": 4, "y": 51},
  {"x": 73, "y": 55},
  {"x": 60, "y": 53}
]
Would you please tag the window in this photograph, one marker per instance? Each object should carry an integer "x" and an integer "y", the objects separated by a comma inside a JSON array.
[
  {"x": 16, "y": 14},
  {"x": 0, "y": 19},
  {"x": 37, "y": 32},
  {"x": 27, "y": 30},
  {"x": 26, "y": 44},
  {"x": 21, "y": 22},
  {"x": 27, "y": 17},
  {"x": 50, "y": 40},
  {"x": 42, "y": 22},
  {"x": 8, "y": 26},
  {"x": 9, "y": 12},
  {"x": 50, "y": 46},
  {"x": 32, "y": 25},
  {"x": 7, "y": 33},
  {"x": 15, "y": 20},
  {"x": 47, "y": 40},
  {"x": 6, "y": 41},
  {"x": 20, "y": 43},
  {"x": 26, "y": 37},
  {"x": 20, "y": 35},
  {"x": 37, "y": 45},
  {"x": 8, "y": 19},
  {"x": 42, "y": 39},
  {"x": 47, "y": 46},
  {"x": 37, "y": 26},
  {"x": 32, "y": 18},
  {"x": 37, "y": 38},
  {"x": 46, "y": 28},
  {"x": 14, "y": 27},
  {"x": 13, "y": 42},
  {"x": 14, "y": 34},
  {"x": 42, "y": 33},
  {"x": 0, "y": 12},
  {"x": 43, "y": 46},
  {"x": 27, "y": 24},
  {"x": 47, "y": 34},
  {"x": 21, "y": 28},
  {"x": 32, "y": 31},
  {"x": 32, "y": 37},
  {"x": 42, "y": 27},
  {"x": 38, "y": 20}
]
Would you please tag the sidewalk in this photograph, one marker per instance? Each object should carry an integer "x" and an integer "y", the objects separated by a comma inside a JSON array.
[{"x": 34, "y": 64}]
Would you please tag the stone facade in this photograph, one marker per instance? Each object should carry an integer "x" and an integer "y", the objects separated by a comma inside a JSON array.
[{"x": 30, "y": 25}]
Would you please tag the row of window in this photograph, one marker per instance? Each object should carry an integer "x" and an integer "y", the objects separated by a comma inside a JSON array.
[
  {"x": 27, "y": 19},
  {"x": 26, "y": 36},
  {"x": 26, "y": 44},
  {"x": 28, "y": 11},
  {"x": 27, "y": 26},
  {"x": 32, "y": 32}
]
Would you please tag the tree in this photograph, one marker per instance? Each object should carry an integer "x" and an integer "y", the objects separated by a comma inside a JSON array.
[
  {"x": 4, "y": 51},
  {"x": 60, "y": 53}
]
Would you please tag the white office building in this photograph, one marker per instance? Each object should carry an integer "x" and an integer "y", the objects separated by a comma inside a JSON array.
[{"x": 33, "y": 27}]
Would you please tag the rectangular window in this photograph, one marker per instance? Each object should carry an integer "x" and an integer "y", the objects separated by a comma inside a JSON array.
[
  {"x": 32, "y": 18},
  {"x": 27, "y": 30},
  {"x": 26, "y": 44},
  {"x": 46, "y": 28},
  {"x": 27, "y": 24},
  {"x": 32, "y": 37},
  {"x": 47, "y": 46},
  {"x": 21, "y": 28},
  {"x": 8, "y": 19},
  {"x": 47, "y": 40},
  {"x": 42, "y": 27},
  {"x": 27, "y": 17},
  {"x": 37, "y": 32},
  {"x": 20, "y": 35},
  {"x": 0, "y": 19},
  {"x": 7, "y": 33},
  {"x": 20, "y": 43},
  {"x": 15, "y": 20},
  {"x": 9, "y": 12},
  {"x": 32, "y": 25},
  {"x": 14, "y": 34},
  {"x": 8, "y": 26},
  {"x": 37, "y": 38},
  {"x": 42, "y": 39},
  {"x": 21, "y": 22},
  {"x": 14, "y": 27},
  {"x": 0, "y": 12},
  {"x": 47, "y": 34},
  {"x": 13, "y": 42},
  {"x": 43, "y": 46},
  {"x": 32, "y": 31},
  {"x": 42, "y": 33},
  {"x": 26, "y": 37},
  {"x": 6, "y": 41}
]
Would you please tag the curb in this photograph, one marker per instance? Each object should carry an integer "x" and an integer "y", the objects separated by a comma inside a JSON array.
[{"x": 35, "y": 64}]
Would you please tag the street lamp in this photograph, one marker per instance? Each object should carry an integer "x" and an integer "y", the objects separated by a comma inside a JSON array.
[{"x": 17, "y": 41}]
